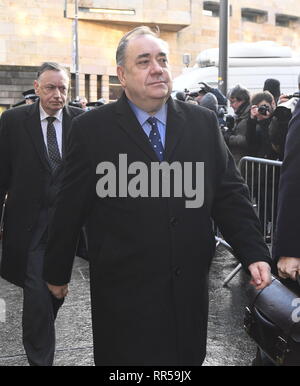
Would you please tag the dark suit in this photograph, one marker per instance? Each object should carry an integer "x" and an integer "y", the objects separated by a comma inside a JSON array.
[
  {"x": 26, "y": 176},
  {"x": 149, "y": 257},
  {"x": 288, "y": 220}
]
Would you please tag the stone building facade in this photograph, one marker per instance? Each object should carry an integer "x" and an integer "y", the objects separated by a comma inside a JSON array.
[{"x": 34, "y": 31}]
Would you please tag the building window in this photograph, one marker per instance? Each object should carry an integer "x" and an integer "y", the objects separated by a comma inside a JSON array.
[
  {"x": 115, "y": 89},
  {"x": 99, "y": 86},
  {"x": 73, "y": 87},
  {"x": 254, "y": 15},
  {"x": 282, "y": 20},
  {"x": 212, "y": 8},
  {"x": 87, "y": 86}
]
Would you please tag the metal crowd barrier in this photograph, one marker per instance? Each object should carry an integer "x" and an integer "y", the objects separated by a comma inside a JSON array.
[{"x": 262, "y": 178}]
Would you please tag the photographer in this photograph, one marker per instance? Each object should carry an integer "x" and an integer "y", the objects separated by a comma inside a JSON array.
[
  {"x": 235, "y": 138},
  {"x": 257, "y": 128},
  {"x": 282, "y": 115},
  {"x": 279, "y": 124},
  {"x": 260, "y": 146}
]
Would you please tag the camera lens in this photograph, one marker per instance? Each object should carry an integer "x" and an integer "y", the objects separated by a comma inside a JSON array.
[{"x": 263, "y": 109}]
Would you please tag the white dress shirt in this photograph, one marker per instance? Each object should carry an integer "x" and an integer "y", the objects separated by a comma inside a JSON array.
[{"x": 57, "y": 125}]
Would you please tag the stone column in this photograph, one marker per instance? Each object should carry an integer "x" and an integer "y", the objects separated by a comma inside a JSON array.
[
  {"x": 93, "y": 88},
  {"x": 105, "y": 87},
  {"x": 81, "y": 84}
]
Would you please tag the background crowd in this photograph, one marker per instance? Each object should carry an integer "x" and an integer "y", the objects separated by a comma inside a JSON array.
[{"x": 259, "y": 123}]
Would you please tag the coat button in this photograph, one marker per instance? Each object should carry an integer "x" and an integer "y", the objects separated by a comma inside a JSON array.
[
  {"x": 177, "y": 271},
  {"x": 174, "y": 221}
]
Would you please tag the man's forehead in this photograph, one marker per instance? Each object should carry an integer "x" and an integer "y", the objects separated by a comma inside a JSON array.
[
  {"x": 51, "y": 75},
  {"x": 147, "y": 44}
]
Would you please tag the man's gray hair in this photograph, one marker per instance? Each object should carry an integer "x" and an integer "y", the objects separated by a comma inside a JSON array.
[
  {"x": 51, "y": 66},
  {"x": 138, "y": 31}
]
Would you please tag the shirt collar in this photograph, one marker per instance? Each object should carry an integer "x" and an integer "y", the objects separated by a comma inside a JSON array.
[
  {"x": 142, "y": 116},
  {"x": 44, "y": 115}
]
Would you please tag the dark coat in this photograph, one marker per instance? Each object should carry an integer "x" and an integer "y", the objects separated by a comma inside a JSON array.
[
  {"x": 149, "y": 257},
  {"x": 25, "y": 174},
  {"x": 236, "y": 138},
  {"x": 288, "y": 220},
  {"x": 258, "y": 139}
]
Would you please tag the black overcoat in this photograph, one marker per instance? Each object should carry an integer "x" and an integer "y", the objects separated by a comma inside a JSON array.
[
  {"x": 149, "y": 257},
  {"x": 26, "y": 178},
  {"x": 288, "y": 217}
]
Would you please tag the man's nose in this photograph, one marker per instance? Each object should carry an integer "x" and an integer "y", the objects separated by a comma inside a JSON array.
[
  {"x": 57, "y": 93},
  {"x": 156, "y": 67}
]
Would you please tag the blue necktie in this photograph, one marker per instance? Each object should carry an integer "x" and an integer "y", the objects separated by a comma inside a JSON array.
[{"x": 154, "y": 138}]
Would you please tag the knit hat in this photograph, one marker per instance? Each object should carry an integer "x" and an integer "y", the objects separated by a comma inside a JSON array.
[
  {"x": 209, "y": 101},
  {"x": 273, "y": 85}
]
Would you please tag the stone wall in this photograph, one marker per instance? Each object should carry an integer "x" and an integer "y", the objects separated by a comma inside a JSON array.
[
  {"x": 34, "y": 31},
  {"x": 14, "y": 80}
]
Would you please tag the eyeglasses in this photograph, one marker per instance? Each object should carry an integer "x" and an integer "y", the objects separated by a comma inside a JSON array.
[{"x": 50, "y": 89}]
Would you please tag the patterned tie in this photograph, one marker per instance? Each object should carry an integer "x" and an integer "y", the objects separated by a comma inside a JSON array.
[
  {"x": 53, "y": 150},
  {"x": 154, "y": 138}
]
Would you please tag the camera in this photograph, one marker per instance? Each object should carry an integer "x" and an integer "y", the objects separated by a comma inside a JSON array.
[
  {"x": 186, "y": 95},
  {"x": 285, "y": 110},
  {"x": 295, "y": 95},
  {"x": 263, "y": 109}
]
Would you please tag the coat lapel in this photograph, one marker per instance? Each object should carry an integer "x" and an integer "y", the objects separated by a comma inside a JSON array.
[
  {"x": 34, "y": 129},
  {"x": 175, "y": 128},
  {"x": 129, "y": 123},
  {"x": 66, "y": 124}
]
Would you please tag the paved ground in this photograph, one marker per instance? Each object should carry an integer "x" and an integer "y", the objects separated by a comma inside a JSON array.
[{"x": 228, "y": 344}]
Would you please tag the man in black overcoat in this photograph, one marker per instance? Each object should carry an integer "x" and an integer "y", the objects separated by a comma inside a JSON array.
[
  {"x": 150, "y": 251},
  {"x": 287, "y": 247},
  {"x": 32, "y": 152}
]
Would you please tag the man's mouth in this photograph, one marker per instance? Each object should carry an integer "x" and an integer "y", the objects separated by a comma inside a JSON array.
[{"x": 157, "y": 82}]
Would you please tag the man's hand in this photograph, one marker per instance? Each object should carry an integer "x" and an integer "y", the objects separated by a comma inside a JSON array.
[
  {"x": 254, "y": 114},
  {"x": 288, "y": 267},
  {"x": 58, "y": 291},
  {"x": 260, "y": 274},
  {"x": 283, "y": 98}
]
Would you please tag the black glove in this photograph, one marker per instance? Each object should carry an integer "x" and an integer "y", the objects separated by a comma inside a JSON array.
[{"x": 206, "y": 87}]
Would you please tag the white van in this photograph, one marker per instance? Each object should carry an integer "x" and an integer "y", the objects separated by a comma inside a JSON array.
[{"x": 249, "y": 65}]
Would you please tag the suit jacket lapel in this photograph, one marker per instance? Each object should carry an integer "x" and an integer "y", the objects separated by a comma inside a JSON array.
[
  {"x": 33, "y": 127},
  {"x": 129, "y": 123},
  {"x": 66, "y": 123}
]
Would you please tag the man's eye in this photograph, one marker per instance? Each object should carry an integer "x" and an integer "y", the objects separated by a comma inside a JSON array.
[
  {"x": 143, "y": 62},
  {"x": 163, "y": 60}
]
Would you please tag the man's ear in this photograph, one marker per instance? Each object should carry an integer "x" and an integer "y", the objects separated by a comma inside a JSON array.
[
  {"x": 36, "y": 87},
  {"x": 121, "y": 75}
]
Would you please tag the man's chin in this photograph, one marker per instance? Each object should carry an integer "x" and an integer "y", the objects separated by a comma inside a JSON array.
[
  {"x": 161, "y": 94},
  {"x": 56, "y": 106}
]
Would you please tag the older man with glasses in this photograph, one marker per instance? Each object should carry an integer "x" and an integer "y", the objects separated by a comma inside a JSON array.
[{"x": 32, "y": 152}]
